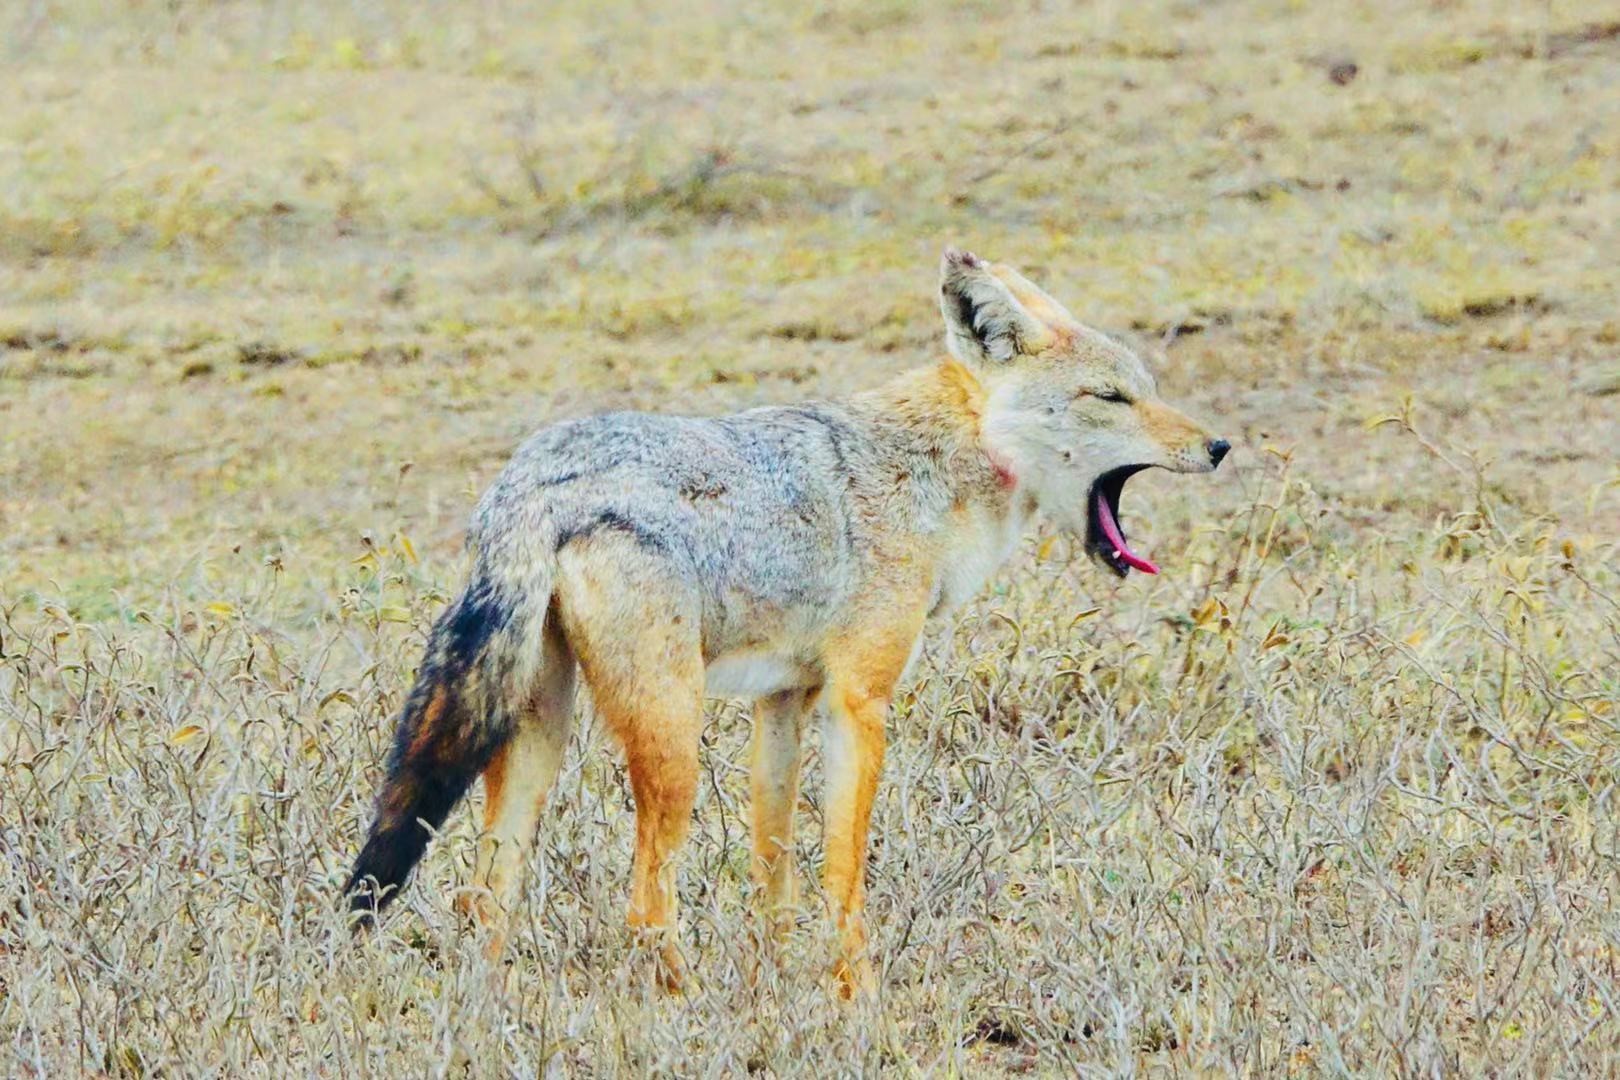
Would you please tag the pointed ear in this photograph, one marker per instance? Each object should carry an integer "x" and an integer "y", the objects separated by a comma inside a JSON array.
[
  {"x": 1035, "y": 299},
  {"x": 984, "y": 322}
]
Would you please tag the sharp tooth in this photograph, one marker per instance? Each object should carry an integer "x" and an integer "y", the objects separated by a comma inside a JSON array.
[{"x": 1117, "y": 553}]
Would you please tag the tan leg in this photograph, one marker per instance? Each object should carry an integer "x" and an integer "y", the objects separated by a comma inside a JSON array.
[
  {"x": 516, "y": 783},
  {"x": 862, "y": 675},
  {"x": 636, "y": 637},
  {"x": 663, "y": 775},
  {"x": 778, "y": 728}
]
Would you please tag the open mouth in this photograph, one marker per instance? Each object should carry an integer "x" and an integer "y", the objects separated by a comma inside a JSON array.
[{"x": 1104, "y": 537}]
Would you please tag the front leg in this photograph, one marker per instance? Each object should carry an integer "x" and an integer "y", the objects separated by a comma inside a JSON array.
[
  {"x": 862, "y": 677},
  {"x": 778, "y": 728}
]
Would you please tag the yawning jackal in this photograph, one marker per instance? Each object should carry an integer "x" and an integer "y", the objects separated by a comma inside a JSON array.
[{"x": 789, "y": 554}]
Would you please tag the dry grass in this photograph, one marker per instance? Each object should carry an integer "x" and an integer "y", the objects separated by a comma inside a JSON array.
[{"x": 281, "y": 286}]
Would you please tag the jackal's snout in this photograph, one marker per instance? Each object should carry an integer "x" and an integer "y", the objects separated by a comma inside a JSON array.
[{"x": 1179, "y": 443}]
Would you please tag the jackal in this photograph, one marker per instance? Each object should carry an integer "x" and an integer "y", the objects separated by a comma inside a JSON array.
[{"x": 789, "y": 554}]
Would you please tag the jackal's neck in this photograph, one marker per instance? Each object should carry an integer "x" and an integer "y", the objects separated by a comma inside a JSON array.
[
  {"x": 944, "y": 402},
  {"x": 938, "y": 412}
]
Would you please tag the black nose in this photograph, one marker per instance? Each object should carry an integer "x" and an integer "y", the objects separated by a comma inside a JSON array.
[{"x": 1218, "y": 449}]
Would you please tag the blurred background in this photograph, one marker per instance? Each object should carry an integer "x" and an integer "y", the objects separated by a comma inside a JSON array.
[{"x": 269, "y": 247}]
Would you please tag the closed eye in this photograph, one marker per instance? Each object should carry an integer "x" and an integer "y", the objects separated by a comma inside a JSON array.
[{"x": 1112, "y": 395}]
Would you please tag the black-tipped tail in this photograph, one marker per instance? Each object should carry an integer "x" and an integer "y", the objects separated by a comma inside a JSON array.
[
  {"x": 455, "y": 719},
  {"x": 416, "y": 802}
]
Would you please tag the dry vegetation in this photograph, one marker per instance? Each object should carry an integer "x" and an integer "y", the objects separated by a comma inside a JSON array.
[{"x": 282, "y": 284}]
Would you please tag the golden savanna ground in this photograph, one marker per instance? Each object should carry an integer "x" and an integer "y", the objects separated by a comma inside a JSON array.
[{"x": 282, "y": 285}]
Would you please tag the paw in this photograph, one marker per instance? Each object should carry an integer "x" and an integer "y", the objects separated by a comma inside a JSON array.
[
  {"x": 671, "y": 970},
  {"x": 477, "y": 906},
  {"x": 669, "y": 966},
  {"x": 855, "y": 979}
]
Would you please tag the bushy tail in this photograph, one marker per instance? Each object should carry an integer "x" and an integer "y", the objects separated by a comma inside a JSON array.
[{"x": 477, "y": 669}]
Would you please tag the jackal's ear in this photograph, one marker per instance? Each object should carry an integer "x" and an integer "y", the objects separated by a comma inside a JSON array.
[{"x": 984, "y": 322}]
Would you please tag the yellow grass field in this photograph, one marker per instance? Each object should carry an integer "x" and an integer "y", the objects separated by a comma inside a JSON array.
[{"x": 282, "y": 284}]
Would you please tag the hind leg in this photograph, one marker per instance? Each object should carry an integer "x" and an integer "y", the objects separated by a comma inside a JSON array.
[
  {"x": 516, "y": 783},
  {"x": 663, "y": 774},
  {"x": 636, "y": 635},
  {"x": 660, "y": 727}
]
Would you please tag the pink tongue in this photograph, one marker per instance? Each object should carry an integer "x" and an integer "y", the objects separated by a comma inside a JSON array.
[{"x": 1110, "y": 528}]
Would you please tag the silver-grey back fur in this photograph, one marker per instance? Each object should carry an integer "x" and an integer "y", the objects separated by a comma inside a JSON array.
[{"x": 767, "y": 516}]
